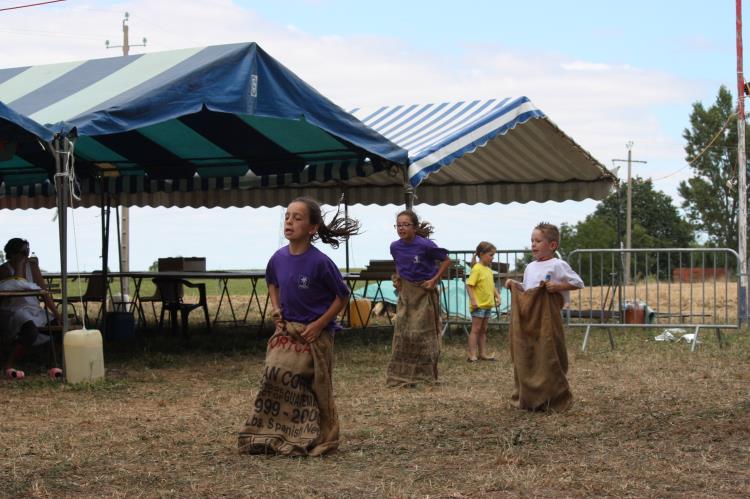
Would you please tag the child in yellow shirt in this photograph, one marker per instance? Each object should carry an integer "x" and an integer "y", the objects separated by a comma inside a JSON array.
[{"x": 483, "y": 296}]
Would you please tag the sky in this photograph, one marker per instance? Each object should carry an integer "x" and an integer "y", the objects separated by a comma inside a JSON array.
[{"x": 606, "y": 72}]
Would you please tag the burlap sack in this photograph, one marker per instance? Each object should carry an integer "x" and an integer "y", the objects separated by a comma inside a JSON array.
[
  {"x": 416, "y": 336},
  {"x": 537, "y": 350},
  {"x": 294, "y": 412}
]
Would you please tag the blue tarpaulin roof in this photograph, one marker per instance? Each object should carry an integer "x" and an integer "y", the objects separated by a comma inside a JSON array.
[
  {"x": 194, "y": 115},
  {"x": 22, "y": 155}
]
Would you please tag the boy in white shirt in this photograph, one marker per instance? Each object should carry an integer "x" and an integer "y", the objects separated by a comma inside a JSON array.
[
  {"x": 547, "y": 270},
  {"x": 537, "y": 338}
]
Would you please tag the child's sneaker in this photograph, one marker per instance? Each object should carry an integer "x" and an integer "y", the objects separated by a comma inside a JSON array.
[{"x": 14, "y": 374}]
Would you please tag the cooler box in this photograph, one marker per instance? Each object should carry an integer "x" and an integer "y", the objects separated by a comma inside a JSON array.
[
  {"x": 119, "y": 326},
  {"x": 182, "y": 264},
  {"x": 359, "y": 312}
]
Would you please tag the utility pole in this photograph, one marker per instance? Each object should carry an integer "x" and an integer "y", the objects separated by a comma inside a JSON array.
[
  {"x": 629, "y": 212},
  {"x": 125, "y": 212},
  {"x": 741, "y": 171}
]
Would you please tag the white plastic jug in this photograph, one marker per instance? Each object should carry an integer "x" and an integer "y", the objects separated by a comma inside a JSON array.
[{"x": 84, "y": 356}]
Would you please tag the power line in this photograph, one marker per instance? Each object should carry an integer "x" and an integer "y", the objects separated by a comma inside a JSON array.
[
  {"x": 30, "y": 5},
  {"x": 703, "y": 151}
]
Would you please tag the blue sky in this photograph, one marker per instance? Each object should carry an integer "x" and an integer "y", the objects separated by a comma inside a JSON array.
[{"x": 606, "y": 72}]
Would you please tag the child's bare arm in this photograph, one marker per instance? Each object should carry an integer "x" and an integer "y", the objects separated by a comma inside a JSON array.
[{"x": 273, "y": 292}]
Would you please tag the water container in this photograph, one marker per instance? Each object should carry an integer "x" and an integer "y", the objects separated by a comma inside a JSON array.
[
  {"x": 359, "y": 312},
  {"x": 84, "y": 357}
]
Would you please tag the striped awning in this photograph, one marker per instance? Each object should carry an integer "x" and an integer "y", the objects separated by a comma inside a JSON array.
[
  {"x": 488, "y": 151},
  {"x": 491, "y": 151},
  {"x": 221, "y": 117}
]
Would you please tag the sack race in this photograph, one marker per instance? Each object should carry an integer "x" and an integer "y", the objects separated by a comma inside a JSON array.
[
  {"x": 416, "y": 336},
  {"x": 538, "y": 352},
  {"x": 294, "y": 412}
]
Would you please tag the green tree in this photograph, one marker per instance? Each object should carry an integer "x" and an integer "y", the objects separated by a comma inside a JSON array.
[
  {"x": 656, "y": 223},
  {"x": 710, "y": 196}
]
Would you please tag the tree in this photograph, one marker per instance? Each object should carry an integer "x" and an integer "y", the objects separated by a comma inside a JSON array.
[
  {"x": 656, "y": 223},
  {"x": 710, "y": 196}
]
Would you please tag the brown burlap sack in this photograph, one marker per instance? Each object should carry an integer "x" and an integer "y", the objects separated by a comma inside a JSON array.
[
  {"x": 416, "y": 336},
  {"x": 537, "y": 350},
  {"x": 294, "y": 412}
]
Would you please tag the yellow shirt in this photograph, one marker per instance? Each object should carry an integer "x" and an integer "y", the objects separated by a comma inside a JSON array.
[{"x": 483, "y": 284}]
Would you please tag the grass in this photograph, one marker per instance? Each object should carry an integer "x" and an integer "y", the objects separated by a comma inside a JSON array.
[{"x": 650, "y": 419}]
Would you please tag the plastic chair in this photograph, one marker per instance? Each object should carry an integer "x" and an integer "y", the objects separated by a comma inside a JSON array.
[
  {"x": 170, "y": 290},
  {"x": 96, "y": 291},
  {"x": 154, "y": 298}
]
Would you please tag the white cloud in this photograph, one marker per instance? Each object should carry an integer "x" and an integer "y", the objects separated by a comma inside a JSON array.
[{"x": 585, "y": 66}]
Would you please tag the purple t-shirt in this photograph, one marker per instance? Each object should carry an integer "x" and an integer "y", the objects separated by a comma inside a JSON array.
[
  {"x": 308, "y": 284},
  {"x": 417, "y": 260}
]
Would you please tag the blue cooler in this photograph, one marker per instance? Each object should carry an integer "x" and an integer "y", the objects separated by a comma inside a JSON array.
[{"x": 119, "y": 326}]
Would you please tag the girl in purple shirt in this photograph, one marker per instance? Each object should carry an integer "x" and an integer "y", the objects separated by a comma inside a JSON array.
[
  {"x": 416, "y": 336},
  {"x": 294, "y": 413},
  {"x": 303, "y": 283}
]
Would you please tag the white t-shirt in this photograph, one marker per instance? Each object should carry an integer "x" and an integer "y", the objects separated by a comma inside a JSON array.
[{"x": 557, "y": 270}]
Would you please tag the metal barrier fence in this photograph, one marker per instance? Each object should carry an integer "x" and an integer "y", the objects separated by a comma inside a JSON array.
[
  {"x": 507, "y": 264},
  {"x": 694, "y": 288}
]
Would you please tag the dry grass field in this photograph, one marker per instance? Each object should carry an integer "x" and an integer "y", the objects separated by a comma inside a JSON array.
[
  {"x": 650, "y": 420},
  {"x": 702, "y": 302}
]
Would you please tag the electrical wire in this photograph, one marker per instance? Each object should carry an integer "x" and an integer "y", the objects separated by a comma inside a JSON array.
[
  {"x": 703, "y": 151},
  {"x": 31, "y": 5}
]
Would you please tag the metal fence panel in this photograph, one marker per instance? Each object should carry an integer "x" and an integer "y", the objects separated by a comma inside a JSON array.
[{"x": 681, "y": 287}]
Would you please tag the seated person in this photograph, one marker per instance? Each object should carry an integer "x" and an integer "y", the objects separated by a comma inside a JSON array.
[{"x": 20, "y": 317}]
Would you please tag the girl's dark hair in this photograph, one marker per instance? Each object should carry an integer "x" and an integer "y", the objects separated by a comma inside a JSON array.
[
  {"x": 482, "y": 248},
  {"x": 334, "y": 232},
  {"x": 423, "y": 228},
  {"x": 15, "y": 246}
]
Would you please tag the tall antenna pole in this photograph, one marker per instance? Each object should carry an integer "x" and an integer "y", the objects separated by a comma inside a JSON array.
[
  {"x": 741, "y": 170},
  {"x": 124, "y": 247},
  {"x": 629, "y": 213}
]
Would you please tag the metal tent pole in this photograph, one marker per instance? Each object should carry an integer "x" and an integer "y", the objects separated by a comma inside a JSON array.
[
  {"x": 346, "y": 215},
  {"x": 60, "y": 147},
  {"x": 105, "y": 254}
]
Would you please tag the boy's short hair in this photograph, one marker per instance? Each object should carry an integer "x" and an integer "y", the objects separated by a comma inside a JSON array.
[{"x": 550, "y": 231}]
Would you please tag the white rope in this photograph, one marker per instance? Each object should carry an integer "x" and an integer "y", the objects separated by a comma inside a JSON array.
[{"x": 68, "y": 174}]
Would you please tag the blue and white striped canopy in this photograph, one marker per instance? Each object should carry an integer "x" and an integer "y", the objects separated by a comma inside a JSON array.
[
  {"x": 188, "y": 117},
  {"x": 485, "y": 151},
  {"x": 241, "y": 130}
]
